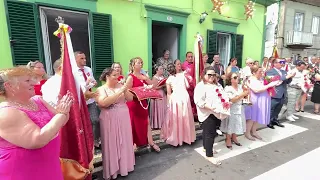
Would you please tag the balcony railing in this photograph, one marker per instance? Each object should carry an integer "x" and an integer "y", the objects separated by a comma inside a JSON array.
[
  {"x": 316, "y": 42},
  {"x": 296, "y": 39}
]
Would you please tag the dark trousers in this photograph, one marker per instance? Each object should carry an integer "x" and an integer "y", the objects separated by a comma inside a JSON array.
[
  {"x": 209, "y": 133},
  {"x": 276, "y": 105},
  {"x": 94, "y": 117},
  {"x": 218, "y": 124}
]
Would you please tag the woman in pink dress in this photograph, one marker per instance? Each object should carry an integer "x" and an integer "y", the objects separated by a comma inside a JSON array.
[
  {"x": 158, "y": 106},
  {"x": 117, "y": 150},
  {"x": 179, "y": 125},
  {"x": 29, "y": 129}
]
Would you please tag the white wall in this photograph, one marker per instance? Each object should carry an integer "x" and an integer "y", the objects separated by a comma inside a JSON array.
[{"x": 166, "y": 38}]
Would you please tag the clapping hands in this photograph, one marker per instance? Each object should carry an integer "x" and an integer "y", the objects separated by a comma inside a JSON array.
[{"x": 64, "y": 104}]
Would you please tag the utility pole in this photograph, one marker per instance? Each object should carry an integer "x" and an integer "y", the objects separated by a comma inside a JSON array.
[{"x": 280, "y": 34}]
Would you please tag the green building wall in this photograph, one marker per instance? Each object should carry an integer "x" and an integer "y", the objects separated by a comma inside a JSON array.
[
  {"x": 130, "y": 29},
  {"x": 130, "y": 25}
]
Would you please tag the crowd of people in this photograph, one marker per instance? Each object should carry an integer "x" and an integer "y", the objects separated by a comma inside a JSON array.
[{"x": 228, "y": 100}]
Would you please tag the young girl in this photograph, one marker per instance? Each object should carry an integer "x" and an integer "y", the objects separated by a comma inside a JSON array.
[
  {"x": 158, "y": 106},
  {"x": 179, "y": 126}
]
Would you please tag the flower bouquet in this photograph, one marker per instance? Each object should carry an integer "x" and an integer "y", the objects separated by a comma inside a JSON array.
[
  {"x": 269, "y": 79},
  {"x": 307, "y": 86},
  {"x": 121, "y": 79}
]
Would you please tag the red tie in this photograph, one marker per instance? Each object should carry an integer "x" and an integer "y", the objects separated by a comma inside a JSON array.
[
  {"x": 84, "y": 76},
  {"x": 287, "y": 68}
]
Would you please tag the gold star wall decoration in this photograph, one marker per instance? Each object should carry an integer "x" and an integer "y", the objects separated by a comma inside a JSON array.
[
  {"x": 217, "y": 4},
  {"x": 249, "y": 9}
]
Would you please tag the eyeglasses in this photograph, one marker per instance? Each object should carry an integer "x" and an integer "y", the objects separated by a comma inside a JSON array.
[
  {"x": 235, "y": 77},
  {"x": 282, "y": 62},
  {"x": 211, "y": 75}
]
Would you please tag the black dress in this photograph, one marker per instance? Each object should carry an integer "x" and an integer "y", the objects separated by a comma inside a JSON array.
[{"x": 315, "y": 98}]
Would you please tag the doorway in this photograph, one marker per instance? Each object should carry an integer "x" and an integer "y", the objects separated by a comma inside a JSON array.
[
  {"x": 224, "y": 48},
  {"x": 164, "y": 37},
  {"x": 80, "y": 35}
]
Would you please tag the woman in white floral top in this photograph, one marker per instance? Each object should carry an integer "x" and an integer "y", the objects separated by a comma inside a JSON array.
[{"x": 236, "y": 123}]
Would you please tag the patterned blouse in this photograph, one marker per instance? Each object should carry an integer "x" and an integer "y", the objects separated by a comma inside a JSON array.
[{"x": 164, "y": 63}]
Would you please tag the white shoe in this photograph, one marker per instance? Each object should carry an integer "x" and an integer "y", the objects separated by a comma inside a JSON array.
[
  {"x": 219, "y": 132},
  {"x": 294, "y": 117},
  {"x": 290, "y": 118},
  {"x": 214, "y": 160}
]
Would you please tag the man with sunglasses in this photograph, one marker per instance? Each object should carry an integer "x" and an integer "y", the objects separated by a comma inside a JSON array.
[{"x": 277, "y": 100}]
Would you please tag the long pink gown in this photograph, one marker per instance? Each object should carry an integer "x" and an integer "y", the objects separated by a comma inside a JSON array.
[
  {"x": 116, "y": 137},
  {"x": 179, "y": 125},
  {"x": 17, "y": 163},
  {"x": 158, "y": 108}
]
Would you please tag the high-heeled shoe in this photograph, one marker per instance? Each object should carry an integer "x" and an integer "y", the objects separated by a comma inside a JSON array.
[
  {"x": 229, "y": 147},
  {"x": 238, "y": 144}
]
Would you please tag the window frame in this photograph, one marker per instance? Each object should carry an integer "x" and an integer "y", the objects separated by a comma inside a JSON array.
[
  {"x": 318, "y": 28},
  {"x": 303, "y": 20}
]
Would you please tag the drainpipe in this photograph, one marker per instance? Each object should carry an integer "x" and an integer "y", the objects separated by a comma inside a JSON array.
[{"x": 281, "y": 26}]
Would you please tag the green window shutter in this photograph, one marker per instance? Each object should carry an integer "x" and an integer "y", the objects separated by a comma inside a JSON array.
[
  {"x": 212, "y": 44},
  {"x": 233, "y": 45},
  {"x": 239, "y": 48},
  {"x": 24, "y": 31},
  {"x": 101, "y": 42}
]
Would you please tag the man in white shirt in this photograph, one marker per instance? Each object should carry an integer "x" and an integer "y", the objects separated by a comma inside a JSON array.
[
  {"x": 51, "y": 88},
  {"x": 87, "y": 82},
  {"x": 294, "y": 89}
]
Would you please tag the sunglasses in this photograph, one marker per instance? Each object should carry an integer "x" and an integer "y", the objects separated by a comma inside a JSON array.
[
  {"x": 282, "y": 62},
  {"x": 235, "y": 77}
]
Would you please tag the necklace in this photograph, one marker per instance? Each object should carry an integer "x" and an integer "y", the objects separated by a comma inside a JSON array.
[{"x": 30, "y": 106}]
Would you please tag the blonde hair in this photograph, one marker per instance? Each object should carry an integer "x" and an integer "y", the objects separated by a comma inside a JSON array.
[
  {"x": 12, "y": 74},
  {"x": 113, "y": 64},
  {"x": 32, "y": 64},
  {"x": 133, "y": 62}
]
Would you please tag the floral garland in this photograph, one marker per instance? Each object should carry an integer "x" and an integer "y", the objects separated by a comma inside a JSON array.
[{"x": 226, "y": 105}]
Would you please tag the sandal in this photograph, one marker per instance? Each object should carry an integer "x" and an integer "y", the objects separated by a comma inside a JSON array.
[
  {"x": 256, "y": 136},
  {"x": 155, "y": 147},
  {"x": 250, "y": 138}
]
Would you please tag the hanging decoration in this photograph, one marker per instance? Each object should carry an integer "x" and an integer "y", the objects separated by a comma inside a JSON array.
[
  {"x": 249, "y": 9},
  {"x": 217, "y": 4}
]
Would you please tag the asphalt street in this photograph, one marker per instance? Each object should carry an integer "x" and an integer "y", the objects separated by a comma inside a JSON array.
[{"x": 291, "y": 153}]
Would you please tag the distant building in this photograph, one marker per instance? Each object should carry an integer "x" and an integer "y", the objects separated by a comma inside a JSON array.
[{"x": 298, "y": 31}]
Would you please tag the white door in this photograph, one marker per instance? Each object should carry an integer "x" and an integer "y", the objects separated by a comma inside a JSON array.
[{"x": 224, "y": 42}]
